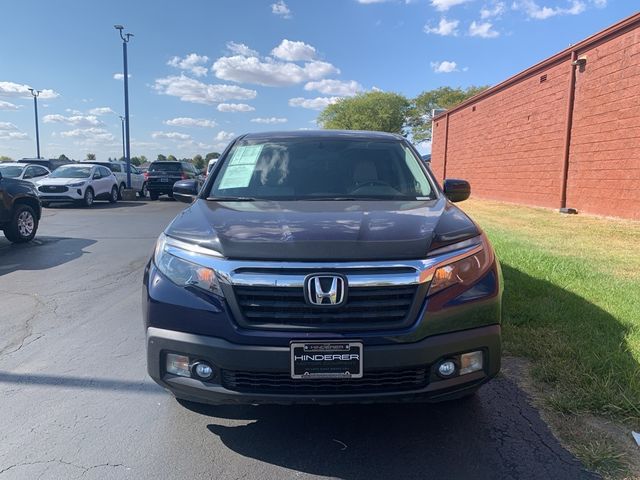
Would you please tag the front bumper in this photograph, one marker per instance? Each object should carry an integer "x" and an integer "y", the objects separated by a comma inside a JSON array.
[
  {"x": 230, "y": 357},
  {"x": 72, "y": 194}
]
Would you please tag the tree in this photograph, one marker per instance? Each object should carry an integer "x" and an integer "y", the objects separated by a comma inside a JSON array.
[
  {"x": 63, "y": 157},
  {"x": 91, "y": 156},
  {"x": 172, "y": 158},
  {"x": 419, "y": 115},
  {"x": 198, "y": 162},
  {"x": 161, "y": 158},
  {"x": 379, "y": 111},
  {"x": 143, "y": 159},
  {"x": 4, "y": 158},
  {"x": 136, "y": 161},
  {"x": 211, "y": 155}
]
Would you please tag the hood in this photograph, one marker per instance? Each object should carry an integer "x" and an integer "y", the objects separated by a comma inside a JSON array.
[
  {"x": 60, "y": 181},
  {"x": 322, "y": 230}
]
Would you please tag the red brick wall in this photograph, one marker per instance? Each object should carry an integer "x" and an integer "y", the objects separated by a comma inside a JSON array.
[
  {"x": 511, "y": 147},
  {"x": 604, "y": 166}
]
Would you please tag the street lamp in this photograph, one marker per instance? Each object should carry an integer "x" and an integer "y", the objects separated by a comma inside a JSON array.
[
  {"x": 122, "y": 122},
  {"x": 125, "y": 39},
  {"x": 35, "y": 94}
]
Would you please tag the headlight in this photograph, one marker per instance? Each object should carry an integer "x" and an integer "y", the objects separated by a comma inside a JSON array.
[
  {"x": 77, "y": 184},
  {"x": 183, "y": 272},
  {"x": 463, "y": 271}
]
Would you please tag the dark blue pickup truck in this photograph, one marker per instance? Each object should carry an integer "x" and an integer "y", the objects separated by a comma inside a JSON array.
[{"x": 322, "y": 267}]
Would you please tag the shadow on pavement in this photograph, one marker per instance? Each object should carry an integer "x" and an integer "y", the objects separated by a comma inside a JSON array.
[
  {"x": 41, "y": 253},
  {"x": 79, "y": 382},
  {"x": 496, "y": 434}
]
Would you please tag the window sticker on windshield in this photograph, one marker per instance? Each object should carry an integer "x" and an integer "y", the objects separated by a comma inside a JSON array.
[
  {"x": 247, "y": 155},
  {"x": 241, "y": 166}
]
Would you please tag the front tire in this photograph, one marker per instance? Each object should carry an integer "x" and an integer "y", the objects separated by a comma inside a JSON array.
[
  {"x": 153, "y": 196},
  {"x": 143, "y": 193},
  {"x": 88, "y": 197},
  {"x": 23, "y": 225},
  {"x": 121, "y": 191},
  {"x": 114, "y": 195}
]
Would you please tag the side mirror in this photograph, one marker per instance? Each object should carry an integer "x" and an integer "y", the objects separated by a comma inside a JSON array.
[
  {"x": 185, "y": 190},
  {"x": 27, "y": 177},
  {"x": 96, "y": 176},
  {"x": 457, "y": 190}
]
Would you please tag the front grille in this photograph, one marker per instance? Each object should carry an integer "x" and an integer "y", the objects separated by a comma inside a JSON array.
[
  {"x": 53, "y": 188},
  {"x": 382, "y": 381},
  {"x": 286, "y": 306}
]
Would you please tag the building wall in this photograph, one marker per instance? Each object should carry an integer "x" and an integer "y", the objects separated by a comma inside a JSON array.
[{"x": 510, "y": 143}]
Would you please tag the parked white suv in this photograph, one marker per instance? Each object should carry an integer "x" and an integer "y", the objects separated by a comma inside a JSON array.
[
  {"x": 79, "y": 182},
  {"x": 119, "y": 169},
  {"x": 23, "y": 171}
]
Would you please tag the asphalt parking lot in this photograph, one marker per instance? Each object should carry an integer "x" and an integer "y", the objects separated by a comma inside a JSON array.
[{"x": 76, "y": 401}]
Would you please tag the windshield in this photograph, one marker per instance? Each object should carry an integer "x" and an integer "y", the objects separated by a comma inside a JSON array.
[
  {"x": 71, "y": 172},
  {"x": 316, "y": 169},
  {"x": 166, "y": 167},
  {"x": 10, "y": 171}
]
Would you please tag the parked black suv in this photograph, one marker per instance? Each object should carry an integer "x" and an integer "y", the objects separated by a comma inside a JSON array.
[
  {"x": 162, "y": 175},
  {"x": 322, "y": 267},
  {"x": 51, "y": 163},
  {"x": 19, "y": 209}
]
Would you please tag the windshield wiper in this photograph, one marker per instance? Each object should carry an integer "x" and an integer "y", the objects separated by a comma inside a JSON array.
[
  {"x": 363, "y": 197},
  {"x": 232, "y": 199}
]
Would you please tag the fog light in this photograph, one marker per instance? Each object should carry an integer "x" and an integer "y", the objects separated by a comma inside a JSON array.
[
  {"x": 470, "y": 362},
  {"x": 203, "y": 370},
  {"x": 447, "y": 368},
  {"x": 178, "y": 365}
]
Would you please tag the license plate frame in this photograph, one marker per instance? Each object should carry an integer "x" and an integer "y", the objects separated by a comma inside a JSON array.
[
  {"x": 344, "y": 367},
  {"x": 164, "y": 179}
]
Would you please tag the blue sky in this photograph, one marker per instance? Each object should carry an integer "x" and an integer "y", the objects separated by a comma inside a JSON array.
[{"x": 204, "y": 71}]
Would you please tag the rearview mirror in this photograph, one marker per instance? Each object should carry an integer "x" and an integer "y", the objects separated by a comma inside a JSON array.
[
  {"x": 457, "y": 190},
  {"x": 185, "y": 190}
]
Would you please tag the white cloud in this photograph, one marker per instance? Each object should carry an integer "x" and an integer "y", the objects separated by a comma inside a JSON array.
[
  {"x": 8, "y": 106},
  {"x": 194, "y": 91},
  {"x": 294, "y": 51},
  {"x": 495, "y": 11},
  {"x": 444, "y": 5},
  {"x": 7, "y": 126},
  {"x": 270, "y": 72},
  {"x": 120, "y": 76},
  {"x": 445, "y": 66},
  {"x": 281, "y": 9},
  {"x": 241, "y": 49},
  {"x": 8, "y": 131},
  {"x": 483, "y": 30},
  {"x": 335, "y": 87},
  {"x": 235, "y": 107},
  {"x": 11, "y": 89},
  {"x": 75, "y": 120},
  {"x": 102, "y": 111},
  {"x": 192, "y": 63},
  {"x": 190, "y": 122},
  {"x": 97, "y": 135},
  {"x": 445, "y": 27},
  {"x": 170, "y": 135},
  {"x": 269, "y": 120},
  {"x": 537, "y": 12},
  {"x": 223, "y": 136},
  {"x": 318, "y": 103}
]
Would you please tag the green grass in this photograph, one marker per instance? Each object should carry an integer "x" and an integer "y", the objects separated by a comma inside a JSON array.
[{"x": 571, "y": 304}]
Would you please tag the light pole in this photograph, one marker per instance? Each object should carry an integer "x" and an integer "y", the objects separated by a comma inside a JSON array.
[
  {"x": 35, "y": 94},
  {"x": 125, "y": 39},
  {"x": 122, "y": 122}
]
